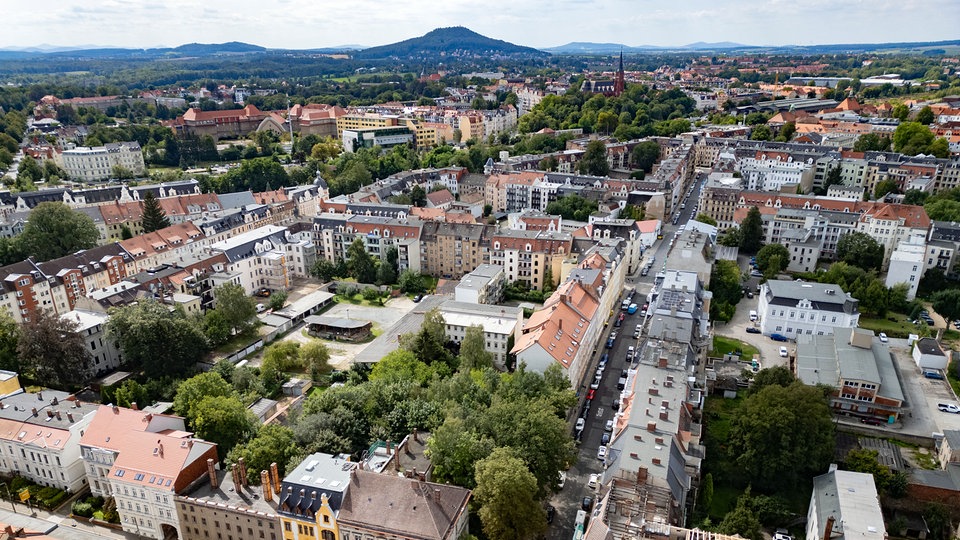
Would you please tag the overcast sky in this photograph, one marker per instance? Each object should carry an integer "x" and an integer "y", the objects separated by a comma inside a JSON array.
[{"x": 302, "y": 24}]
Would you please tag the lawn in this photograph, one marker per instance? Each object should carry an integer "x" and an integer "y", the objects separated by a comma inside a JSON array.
[
  {"x": 894, "y": 325},
  {"x": 953, "y": 375},
  {"x": 723, "y": 345},
  {"x": 358, "y": 300}
]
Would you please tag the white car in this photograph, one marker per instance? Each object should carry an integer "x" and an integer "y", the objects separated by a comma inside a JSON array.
[
  {"x": 595, "y": 384},
  {"x": 602, "y": 453},
  {"x": 783, "y": 352},
  {"x": 580, "y": 424},
  {"x": 945, "y": 407},
  {"x": 563, "y": 479},
  {"x": 594, "y": 481},
  {"x": 609, "y": 426},
  {"x": 883, "y": 337}
]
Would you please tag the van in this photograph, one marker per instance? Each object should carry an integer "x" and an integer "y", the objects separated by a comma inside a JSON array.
[{"x": 753, "y": 315}]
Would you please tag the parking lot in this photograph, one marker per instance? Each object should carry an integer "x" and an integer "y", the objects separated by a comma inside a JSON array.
[{"x": 737, "y": 328}]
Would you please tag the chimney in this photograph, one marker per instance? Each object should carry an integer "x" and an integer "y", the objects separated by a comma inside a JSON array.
[
  {"x": 415, "y": 435},
  {"x": 212, "y": 472},
  {"x": 265, "y": 484},
  {"x": 652, "y": 427},
  {"x": 116, "y": 410},
  {"x": 34, "y": 411},
  {"x": 828, "y": 530},
  {"x": 133, "y": 405},
  {"x": 40, "y": 396},
  {"x": 389, "y": 447},
  {"x": 236, "y": 477},
  {"x": 275, "y": 477},
  {"x": 77, "y": 403},
  {"x": 49, "y": 413},
  {"x": 642, "y": 475},
  {"x": 436, "y": 495},
  {"x": 70, "y": 417},
  {"x": 55, "y": 401},
  {"x": 160, "y": 448},
  {"x": 58, "y": 416},
  {"x": 241, "y": 464}
]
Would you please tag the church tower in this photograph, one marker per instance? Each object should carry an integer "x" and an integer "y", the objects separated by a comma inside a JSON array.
[{"x": 619, "y": 84}]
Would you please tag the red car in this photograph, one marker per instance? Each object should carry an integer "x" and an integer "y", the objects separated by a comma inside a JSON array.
[
  {"x": 590, "y": 393},
  {"x": 622, "y": 317}
]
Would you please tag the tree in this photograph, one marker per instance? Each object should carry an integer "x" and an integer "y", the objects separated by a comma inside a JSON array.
[
  {"x": 131, "y": 392},
  {"x": 274, "y": 443},
  {"x": 726, "y": 286},
  {"x": 594, "y": 160},
  {"x": 54, "y": 230},
  {"x": 772, "y": 253},
  {"x": 238, "y": 309},
  {"x": 454, "y": 451},
  {"x": 325, "y": 150},
  {"x": 160, "y": 341},
  {"x": 29, "y": 170},
  {"x": 191, "y": 391},
  {"x": 761, "y": 133},
  {"x": 925, "y": 116},
  {"x": 742, "y": 520},
  {"x": 223, "y": 420},
  {"x": 473, "y": 351},
  {"x": 947, "y": 304},
  {"x": 154, "y": 218},
  {"x": 125, "y": 232},
  {"x": 915, "y": 196},
  {"x": 703, "y": 218},
  {"x": 573, "y": 207},
  {"x": 418, "y": 196},
  {"x": 278, "y": 299},
  {"x": 883, "y": 187},
  {"x": 315, "y": 356},
  {"x": 900, "y": 112},
  {"x": 871, "y": 142},
  {"x": 784, "y": 435},
  {"x": 861, "y": 250},
  {"x": 751, "y": 231},
  {"x": 411, "y": 282},
  {"x": 506, "y": 493},
  {"x": 865, "y": 461},
  {"x": 912, "y": 138},
  {"x": 324, "y": 270},
  {"x": 9, "y": 339},
  {"x": 52, "y": 350},
  {"x": 360, "y": 264}
]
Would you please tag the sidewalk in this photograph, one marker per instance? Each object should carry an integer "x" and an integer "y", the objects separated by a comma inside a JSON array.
[{"x": 56, "y": 525}]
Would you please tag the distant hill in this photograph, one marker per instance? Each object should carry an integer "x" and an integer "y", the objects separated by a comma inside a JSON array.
[
  {"x": 586, "y": 47},
  {"x": 455, "y": 40},
  {"x": 204, "y": 49},
  {"x": 703, "y": 46}
]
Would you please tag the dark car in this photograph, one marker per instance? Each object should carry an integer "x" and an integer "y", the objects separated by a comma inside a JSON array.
[
  {"x": 871, "y": 421},
  {"x": 587, "y": 503},
  {"x": 417, "y": 298},
  {"x": 753, "y": 330},
  {"x": 779, "y": 337},
  {"x": 610, "y": 343},
  {"x": 551, "y": 511}
]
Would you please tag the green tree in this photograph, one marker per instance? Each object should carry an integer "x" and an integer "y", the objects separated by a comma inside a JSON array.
[
  {"x": 54, "y": 230},
  {"x": 278, "y": 299},
  {"x": 191, "y": 391},
  {"x": 325, "y": 150},
  {"x": 131, "y": 392},
  {"x": 223, "y": 420},
  {"x": 572, "y": 207},
  {"x": 402, "y": 365},
  {"x": 411, "y": 282},
  {"x": 703, "y": 218},
  {"x": 360, "y": 264},
  {"x": 154, "y": 218},
  {"x": 770, "y": 254},
  {"x": 594, "y": 160},
  {"x": 725, "y": 283},
  {"x": 52, "y": 350},
  {"x": 900, "y": 112},
  {"x": 315, "y": 356},
  {"x": 912, "y": 138},
  {"x": 160, "y": 341},
  {"x": 783, "y": 435},
  {"x": 125, "y": 232},
  {"x": 29, "y": 170},
  {"x": 274, "y": 443},
  {"x": 418, "y": 196},
  {"x": 915, "y": 196},
  {"x": 761, "y": 133},
  {"x": 947, "y": 304},
  {"x": 237, "y": 309},
  {"x": 324, "y": 270},
  {"x": 925, "y": 116},
  {"x": 506, "y": 493},
  {"x": 866, "y": 461},
  {"x": 454, "y": 451},
  {"x": 751, "y": 231},
  {"x": 861, "y": 250},
  {"x": 473, "y": 352},
  {"x": 883, "y": 187},
  {"x": 9, "y": 338},
  {"x": 215, "y": 328},
  {"x": 871, "y": 142},
  {"x": 775, "y": 376},
  {"x": 742, "y": 520}
]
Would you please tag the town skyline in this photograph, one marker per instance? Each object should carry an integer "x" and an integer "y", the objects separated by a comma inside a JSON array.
[{"x": 117, "y": 23}]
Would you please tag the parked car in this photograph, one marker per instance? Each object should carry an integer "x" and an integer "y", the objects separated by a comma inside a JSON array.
[
  {"x": 605, "y": 438},
  {"x": 594, "y": 481},
  {"x": 871, "y": 421},
  {"x": 610, "y": 343},
  {"x": 783, "y": 352},
  {"x": 590, "y": 393},
  {"x": 602, "y": 453},
  {"x": 933, "y": 374},
  {"x": 948, "y": 407},
  {"x": 595, "y": 384},
  {"x": 615, "y": 405},
  {"x": 551, "y": 512},
  {"x": 645, "y": 271},
  {"x": 753, "y": 330},
  {"x": 782, "y": 534},
  {"x": 417, "y": 298},
  {"x": 581, "y": 423},
  {"x": 587, "y": 503},
  {"x": 779, "y": 337},
  {"x": 883, "y": 337},
  {"x": 632, "y": 309},
  {"x": 609, "y": 426},
  {"x": 630, "y": 352},
  {"x": 636, "y": 334}
]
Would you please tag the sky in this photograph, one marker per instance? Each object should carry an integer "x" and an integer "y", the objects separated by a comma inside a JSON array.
[{"x": 304, "y": 24}]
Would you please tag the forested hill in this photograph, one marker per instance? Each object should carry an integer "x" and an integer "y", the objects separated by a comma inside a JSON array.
[{"x": 455, "y": 41}]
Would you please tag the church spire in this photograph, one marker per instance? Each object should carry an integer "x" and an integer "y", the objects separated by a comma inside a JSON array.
[{"x": 619, "y": 84}]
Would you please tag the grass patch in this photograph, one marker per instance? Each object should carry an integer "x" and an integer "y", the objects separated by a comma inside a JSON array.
[
  {"x": 953, "y": 375},
  {"x": 429, "y": 282},
  {"x": 357, "y": 300},
  {"x": 894, "y": 325},
  {"x": 723, "y": 345},
  {"x": 236, "y": 342},
  {"x": 925, "y": 459}
]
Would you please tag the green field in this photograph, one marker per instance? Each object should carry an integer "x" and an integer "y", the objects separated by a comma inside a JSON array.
[
  {"x": 894, "y": 325},
  {"x": 723, "y": 345}
]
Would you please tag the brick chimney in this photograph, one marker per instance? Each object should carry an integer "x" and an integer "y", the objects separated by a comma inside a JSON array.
[
  {"x": 133, "y": 405},
  {"x": 212, "y": 472},
  {"x": 436, "y": 495},
  {"x": 415, "y": 435},
  {"x": 828, "y": 530},
  {"x": 265, "y": 484},
  {"x": 275, "y": 477},
  {"x": 241, "y": 464}
]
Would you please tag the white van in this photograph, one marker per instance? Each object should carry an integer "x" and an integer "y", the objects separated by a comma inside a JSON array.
[{"x": 753, "y": 315}]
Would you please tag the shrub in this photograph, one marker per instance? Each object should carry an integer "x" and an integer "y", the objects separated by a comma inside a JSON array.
[{"x": 82, "y": 509}]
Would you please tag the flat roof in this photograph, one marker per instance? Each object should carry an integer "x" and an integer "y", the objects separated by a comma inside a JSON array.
[{"x": 337, "y": 322}]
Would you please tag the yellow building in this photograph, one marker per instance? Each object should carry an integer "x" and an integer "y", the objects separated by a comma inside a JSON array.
[
  {"x": 364, "y": 121},
  {"x": 9, "y": 382}
]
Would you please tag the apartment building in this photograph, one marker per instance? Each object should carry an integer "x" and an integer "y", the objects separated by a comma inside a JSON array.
[
  {"x": 223, "y": 505},
  {"x": 500, "y": 324},
  {"x": 794, "y": 308},
  {"x": 143, "y": 460},
  {"x": 907, "y": 265},
  {"x": 89, "y": 164},
  {"x": 452, "y": 250},
  {"x": 772, "y": 171},
  {"x": 484, "y": 285},
  {"x": 334, "y": 233},
  {"x": 528, "y": 256},
  {"x": 266, "y": 258},
  {"x": 40, "y": 434},
  {"x": 718, "y": 198},
  {"x": 102, "y": 353}
]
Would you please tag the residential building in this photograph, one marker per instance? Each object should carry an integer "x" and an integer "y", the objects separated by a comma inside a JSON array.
[
  {"x": 267, "y": 257},
  {"x": 694, "y": 250},
  {"x": 680, "y": 310},
  {"x": 719, "y": 196},
  {"x": 500, "y": 324},
  {"x": 384, "y": 137},
  {"x": 334, "y": 233},
  {"x": 452, "y": 250},
  {"x": 221, "y": 503},
  {"x": 793, "y": 308},
  {"x": 143, "y": 460},
  {"x": 858, "y": 367},
  {"x": 845, "y": 505},
  {"x": 102, "y": 353},
  {"x": 40, "y": 437},
  {"x": 486, "y": 284},
  {"x": 773, "y": 171},
  {"x": 907, "y": 265},
  {"x": 928, "y": 354},
  {"x": 530, "y": 256},
  {"x": 89, "y": 164}
]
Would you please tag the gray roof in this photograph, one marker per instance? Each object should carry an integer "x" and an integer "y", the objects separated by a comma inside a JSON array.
[
  {"x": 337, "y": 322},
  {"x": 236, "y": 200},
  {"x": 851, "y": 499},
  {"x": 828, "y": 359},
  {"x": 319, "y": 473},
  {"x": 947, "y": 479},
  {"x": 929, "y": 346},
  {"x": 823, "y": 296}
]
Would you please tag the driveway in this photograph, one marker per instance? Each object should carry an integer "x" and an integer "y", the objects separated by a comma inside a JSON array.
[{"x": 737, "y": 328}]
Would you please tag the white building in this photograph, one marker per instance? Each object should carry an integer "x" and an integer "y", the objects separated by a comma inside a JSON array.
[
  {"x": 927, "y": 354},
  {"x": 88, "y": 164},
  {"x": 845, "y": 506},
  {"x": 906, "y": 265},
  {"x": 102, "y": 353},
  {"x": 267, "y": 257},
  {"x": 40, "y": 438},
  {"x": 484, "y": 285},
  {"x": 791, "y": 308},
  {"x": 499, "y": 323},
  {"x": 771, "y": 174}
]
